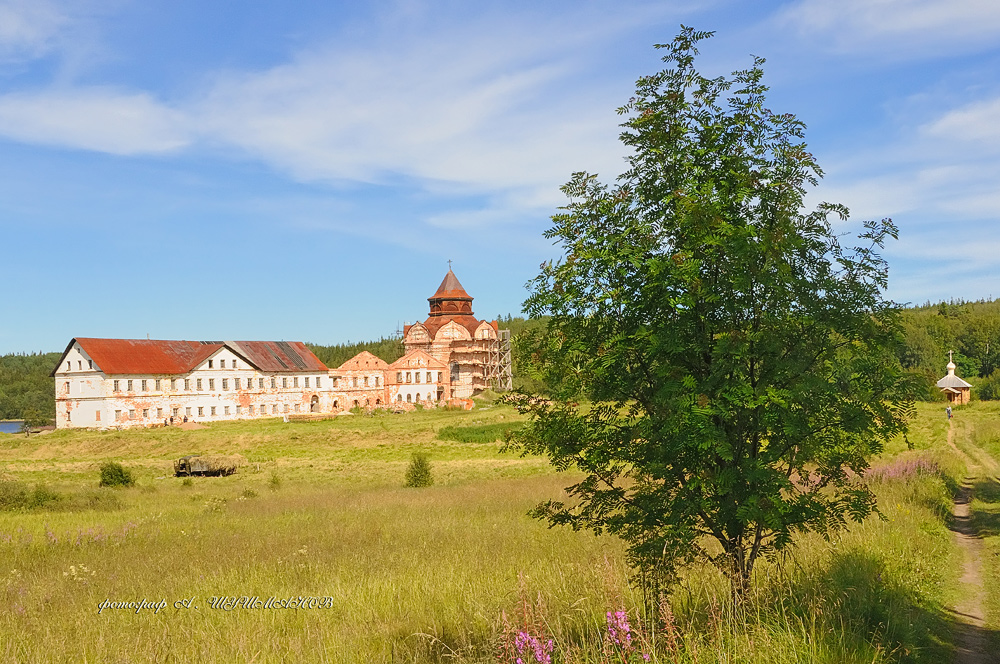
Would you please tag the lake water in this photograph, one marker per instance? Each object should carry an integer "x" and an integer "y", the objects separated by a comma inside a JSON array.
[{"x": 10, "y": 427}]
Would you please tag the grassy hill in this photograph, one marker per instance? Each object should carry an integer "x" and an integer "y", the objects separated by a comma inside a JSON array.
[{"x": 452, "y": 572}]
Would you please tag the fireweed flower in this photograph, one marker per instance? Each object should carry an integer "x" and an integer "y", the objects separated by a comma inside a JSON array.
[
  {"x": 533, "y": 646},
  {"x": 618, "y": 628}
]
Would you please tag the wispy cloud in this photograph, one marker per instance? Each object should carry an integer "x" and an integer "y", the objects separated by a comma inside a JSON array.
[
  {"x": 98, "y": 119},
  {"x": 896, "y": 28},
  {"x": 28, "y": 28}
]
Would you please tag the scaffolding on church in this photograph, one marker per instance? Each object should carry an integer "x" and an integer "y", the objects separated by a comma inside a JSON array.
[{"x": 499, "y": 373}]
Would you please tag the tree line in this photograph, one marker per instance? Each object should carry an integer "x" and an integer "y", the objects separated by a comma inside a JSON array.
[
  {"x": 970, "y": 329},
  {"x": 26, "y": 389}
]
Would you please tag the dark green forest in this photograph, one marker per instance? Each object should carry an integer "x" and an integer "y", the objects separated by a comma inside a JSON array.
[
  {"x": 971, "y": 329},
  {"x": 25, "y": 385}
]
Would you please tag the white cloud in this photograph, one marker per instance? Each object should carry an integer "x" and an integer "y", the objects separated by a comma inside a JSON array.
[
  {"x": 28, "y": 27},
  {"x": 896, "y": 28},
  {"x": 98, "y": 119},
  {"x": 978, "y": 122}
]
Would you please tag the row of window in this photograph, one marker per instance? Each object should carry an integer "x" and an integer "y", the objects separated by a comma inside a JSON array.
[
  {"x": 410, "y": 399},
  {"x": 79, "y": 365},
  {"x": 237, "y": 383},
  {"x": 414, "y": 377},
  {"x": 189, "y": 411}
]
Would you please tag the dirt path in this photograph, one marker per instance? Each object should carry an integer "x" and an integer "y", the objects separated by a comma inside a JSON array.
[{"x": 972, "y": 647}]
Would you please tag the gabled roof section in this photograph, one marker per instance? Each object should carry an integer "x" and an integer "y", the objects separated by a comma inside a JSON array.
[
  {"x": 143, "y": 356},
  {"x": 410, "y": 359},
  {"x": 450, "y": 289},
  {"x": 278, "y": 356},
  {"x": 362, "y": 361}
]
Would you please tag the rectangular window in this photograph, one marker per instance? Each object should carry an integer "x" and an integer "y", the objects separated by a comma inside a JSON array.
[
  {"x": 225, "y": 410},
  {"x": 158, "y": 385},
  {"x": 97, "y": 416},
  {"x": 159, "y": 413},
  {"x": 129, "y": 385},
  {"x": 416, "y": 376},
  {"x": 210, "y": 364},
  {"x": 274, "y": 382},
  {"x": 197, "y": 384},
  {"x": 201, "y": 411},
  {"x": 236, "y": 383},
  {"x": 297, "y": 408},
  {"x": 225, "y": 383},
  {"x": 131, "y": 413},
  {"x": 399, "y": 376},
  {"x": 187, "y": 411},
  {"x": 144, "y": 385},
  {"x": 69, "y": 366},
  {"x": 222, "y": 364},
  {"x": 307, "y": 382},
  {"x": 286, "y": 407},
  {"x": 118, "y": 415},
  {"x": 211, "y": 384},
  {"x": 187, "y": 384},
  {"x": 295, "y": 381},
  {"x": 274, "y": 409},
  {"x": 145, "y": 413},
  {"x": 409, "y": 377},
  {"x": 117, "y": 387},
  {"x": 251, "y": 409},
  {"x": 284, "y": 382},
  {"x": 173, "y": 384},
  {"x": 90, "y": 363},
  {"x": 355, "y": 381},
  {"x": 175, "y": 412},
  {"x": 239, "y": 409},
  {"x": 79, "y": 365},
  {"x": 439, "y": 376},
  {"x": 213, "y": 411},
  {"x": 66, "y": 386},
  {"x": 260, "y": 383},
  {"x": 319, "y": 384},
  {"x": 234, "y": 364}
]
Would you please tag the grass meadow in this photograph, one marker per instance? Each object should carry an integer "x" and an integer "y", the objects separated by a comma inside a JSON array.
[{"x": 451, "y": 572}]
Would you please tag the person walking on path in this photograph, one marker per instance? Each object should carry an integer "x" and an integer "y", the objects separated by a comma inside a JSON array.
[{"x": 948, "y": 410}]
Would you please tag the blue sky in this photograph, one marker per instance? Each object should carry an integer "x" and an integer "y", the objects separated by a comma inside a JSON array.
[{"x": 304, "y": 171}]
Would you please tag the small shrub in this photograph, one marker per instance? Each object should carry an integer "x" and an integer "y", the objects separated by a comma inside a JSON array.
[
  {"x": 115, "y": 475},
  {"x": 187, "y": 482},
  {"x": 275, "y": 482},
  {"x": 419, "y": 472},
  {"x": 249, "y": 493},
  {"x": 16, "y": 496}
]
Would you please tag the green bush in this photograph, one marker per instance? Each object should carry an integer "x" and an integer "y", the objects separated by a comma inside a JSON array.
[
  {"x": 114, "y": 474},
  {"x": 419, "y": 472},
  {"x": 16, "y": 496}
]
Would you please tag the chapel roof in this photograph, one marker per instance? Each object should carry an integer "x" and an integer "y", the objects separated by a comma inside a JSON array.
[{"x": 450, "y": 289}]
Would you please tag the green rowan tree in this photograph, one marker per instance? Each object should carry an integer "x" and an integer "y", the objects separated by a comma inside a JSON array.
[{"x": 737, "y": 364}]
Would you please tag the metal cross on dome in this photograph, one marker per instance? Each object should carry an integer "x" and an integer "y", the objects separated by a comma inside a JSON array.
[
  {"x": 449, "y": 263},
  {"x": 950, "y": 361}
]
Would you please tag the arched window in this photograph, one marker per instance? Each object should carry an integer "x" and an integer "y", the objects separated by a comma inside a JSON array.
[
  {"x": 335, "y": 403},
  {"x": 409, "y": 398},
  {"x": 418, "y": 397},
  {"x": 399, "y": 398}
]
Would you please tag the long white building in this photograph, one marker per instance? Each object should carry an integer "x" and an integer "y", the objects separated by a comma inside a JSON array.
[{"x": 102, "y": 383}]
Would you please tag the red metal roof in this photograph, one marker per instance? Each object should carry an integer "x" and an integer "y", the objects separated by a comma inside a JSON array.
[
  {"x": 278, "y": 356},
  {"x": 450, "y": 289},
  {"x": 146, "y": 356},
  {"x": 157, "y": 356}
]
